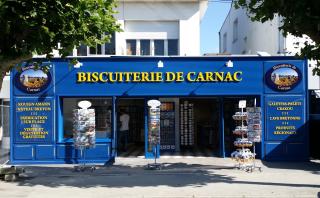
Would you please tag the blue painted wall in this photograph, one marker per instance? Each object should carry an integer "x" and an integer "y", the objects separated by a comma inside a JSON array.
[{"x": 53, "y": 149}]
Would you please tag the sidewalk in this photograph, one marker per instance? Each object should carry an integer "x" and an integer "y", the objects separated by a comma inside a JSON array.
[{"x": 180, "y": 177}]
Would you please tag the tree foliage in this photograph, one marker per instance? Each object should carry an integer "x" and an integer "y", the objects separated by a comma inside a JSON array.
[
  {"x": 37, "y": 26},
  {"x": 299, "y": 17}
]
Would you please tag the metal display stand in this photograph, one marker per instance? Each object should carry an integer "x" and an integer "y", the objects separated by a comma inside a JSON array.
[
  {"x": 84, "y": 133},
  {"x": 154, "y": 132},
  {"x": 155, "y": 165},
  {"x": 82, "y": 167},
  {"x": 254, "y": 165},
  {"x": 254, "y": 120},
  {"x": 243, "y": 156}
]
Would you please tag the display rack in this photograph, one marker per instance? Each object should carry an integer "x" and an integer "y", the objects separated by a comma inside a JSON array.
[
  {"x": 243, "y": 155},
  {"x": 167, "y": 125},
  {"x": 84, "y": 134},
  {"x": 254, "y": 130},
  {"x": 154, "y": 133},
  {"x": 186, "y": 124},
  {"x": 249, "y": 129}
]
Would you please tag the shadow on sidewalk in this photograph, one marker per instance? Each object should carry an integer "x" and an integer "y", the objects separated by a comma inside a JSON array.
[
  {"x": 311, "y": 166},
  {"x": 122, "y": 176}
]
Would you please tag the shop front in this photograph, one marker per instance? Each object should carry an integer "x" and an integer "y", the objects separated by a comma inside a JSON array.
[{"x": 198, "y": 95}]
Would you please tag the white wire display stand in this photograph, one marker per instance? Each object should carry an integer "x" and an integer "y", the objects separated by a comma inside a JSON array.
[
  {"x": 243, "y": 156},
  {"x": 256, "y": 137},
  {"x": 154, "y": 132},
  {"x": 84, "y": 133},
  {"x": 154, "y": 165},
  {"x": 83, "y": 166}
]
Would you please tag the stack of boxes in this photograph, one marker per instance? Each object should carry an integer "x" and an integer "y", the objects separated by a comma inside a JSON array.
[{"x": 186, "y": 124}]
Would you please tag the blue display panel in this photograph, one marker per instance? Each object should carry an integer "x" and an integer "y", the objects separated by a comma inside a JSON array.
[
  {"x": 286, "y": 131},
  {"x": 285, "y": 118},
  {"x": 33, "y": 120}
]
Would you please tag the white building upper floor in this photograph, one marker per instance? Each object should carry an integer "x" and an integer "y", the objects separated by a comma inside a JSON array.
[{"x": 154, "y": 28}]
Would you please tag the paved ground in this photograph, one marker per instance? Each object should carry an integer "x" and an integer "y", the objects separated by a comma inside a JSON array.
[{"x": 180, "y": 177}]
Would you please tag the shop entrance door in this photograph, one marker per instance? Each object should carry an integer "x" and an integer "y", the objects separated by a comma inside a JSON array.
[
  {"x": 130, "y": 127},
  {"x": 199, "y": 127}
]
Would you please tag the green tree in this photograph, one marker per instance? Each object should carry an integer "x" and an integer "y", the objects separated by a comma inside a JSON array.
[
  {"x": 299, "y": 17},
  {"x": 30, "y": 27}
]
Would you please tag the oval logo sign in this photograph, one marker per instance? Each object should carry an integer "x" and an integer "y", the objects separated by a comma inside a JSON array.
[
  {"x": 283, "y": 77},
  {"x": 32, "y": 81}
]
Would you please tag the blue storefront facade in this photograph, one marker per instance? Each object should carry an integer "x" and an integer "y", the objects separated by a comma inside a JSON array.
[{"x": 40, "y": 101}]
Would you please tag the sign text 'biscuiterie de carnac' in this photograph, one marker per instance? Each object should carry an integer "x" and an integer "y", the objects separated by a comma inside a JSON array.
[{"x": 119, "y": 77}]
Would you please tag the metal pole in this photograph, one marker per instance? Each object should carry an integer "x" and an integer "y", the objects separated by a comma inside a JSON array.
[
  {"x": 222, "y": 145},
  {"x": 114, "y": 127}
]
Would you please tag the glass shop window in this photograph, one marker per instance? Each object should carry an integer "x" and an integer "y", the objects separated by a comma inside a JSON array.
[
  {"x": 172, "y": 47},
  {"x": 103, "y": 109},
  {"x": 131, "y": 47},
  {"x": 144, "y": 47}
]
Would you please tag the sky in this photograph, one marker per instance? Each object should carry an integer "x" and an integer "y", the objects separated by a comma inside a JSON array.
[
  {"x": 211, "y": 24},
  {"x": 286, "y": 71},
  {"x": 34, "y": 73}
]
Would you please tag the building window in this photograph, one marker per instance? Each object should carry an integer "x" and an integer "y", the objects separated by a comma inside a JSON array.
[
  {"x": 82, "y": 50},
  {"x": 224, "y": 43},
  {"x": 155, "y": 47},
  {"x": 107, "y": 48},
  {"x": 235, "y": 30},
  {"x": 110, "y": 48},
  {"x": 172, "y": 47},
  {"x": 95, "y": 50},
  {"x": 158, "y": 47},
  {"x": 131, "y": 47},
  {"x": 144, "y": 47},
  {"x": 103, "y": 111}
]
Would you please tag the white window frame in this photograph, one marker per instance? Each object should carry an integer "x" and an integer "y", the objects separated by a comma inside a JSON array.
[
  {"x": 152, "y": 48},
  {"x": 75, "y": 52}
]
